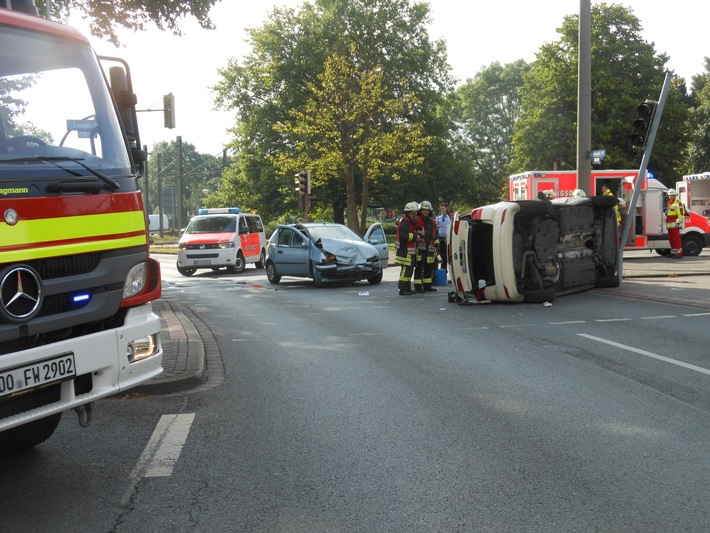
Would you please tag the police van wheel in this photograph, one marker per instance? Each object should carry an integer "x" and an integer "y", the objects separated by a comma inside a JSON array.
[
  {"x": 27, "y": 436},
  {"x": 239, "y": 264},
  {"x": 271, "y": 274},
  {"x": 186, "y": 271}
]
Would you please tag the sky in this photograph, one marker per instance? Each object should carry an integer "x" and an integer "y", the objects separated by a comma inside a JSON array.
[{"x": 476, "y": 32}]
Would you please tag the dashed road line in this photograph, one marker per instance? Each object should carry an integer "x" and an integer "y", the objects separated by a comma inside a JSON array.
[{"x": 647, "y": 354}]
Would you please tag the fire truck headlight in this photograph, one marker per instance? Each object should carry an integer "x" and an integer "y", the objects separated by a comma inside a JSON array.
[
  {"x": 139, "y": 349},
  {"x": 135, "y": 280}
]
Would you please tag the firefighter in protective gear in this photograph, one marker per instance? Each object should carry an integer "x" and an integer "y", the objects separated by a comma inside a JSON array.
[
  {"x": 426, "y": 248},
  {"x": 606, "y": 191},
  {"x": 406, "y": 248},
  {"x": 675, "y": 222}
]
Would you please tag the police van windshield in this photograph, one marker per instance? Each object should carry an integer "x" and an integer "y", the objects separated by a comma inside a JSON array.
[
  {"x": 212, "y": 224},
  {"x": 54, "y": 103}
]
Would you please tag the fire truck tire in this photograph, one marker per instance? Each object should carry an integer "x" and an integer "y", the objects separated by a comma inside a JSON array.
[
  {"x": 376, "y": 279},
  {"x": 665, "y": 252},
  {"x": 538, "y": 296},
  {"x": 271, "y": 274},
  {"x": 604, "y": 282},
  {"x": 239, "y": 264},
  {"x": 692, "y": 245},
  {"x": 25, "y": 437},
  {"x": 262, "y": 260},
  {"x": 186, "y": 271}
]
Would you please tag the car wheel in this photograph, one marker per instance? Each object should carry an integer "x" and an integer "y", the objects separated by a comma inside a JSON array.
[
  {"x": 663, "y": 251},
  {"x": 185, "y": 271},
  {"x": 239, "y": 264},
  {"x": 604, "y": 282},
  {"x": 262, "y": 260},
  {"x": 376, "y": 279},
  {"x": 692, "y": 245},
  {"x": 271, "y": 274},
  {"x": 317, "y": 280},
  {"x": 538, "y": 296},
  {"x": 27, "y": 436},
  {"x": 604, "y": 200}
]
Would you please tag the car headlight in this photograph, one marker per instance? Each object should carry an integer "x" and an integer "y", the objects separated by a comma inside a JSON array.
[
  {"x": 225, "y": 245},
  {"x": 182, "y": 246},
  {"x": 135, "y": 280}
]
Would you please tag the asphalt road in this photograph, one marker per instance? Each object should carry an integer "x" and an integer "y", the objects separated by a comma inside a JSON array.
[{"x": 354, "y": 409}]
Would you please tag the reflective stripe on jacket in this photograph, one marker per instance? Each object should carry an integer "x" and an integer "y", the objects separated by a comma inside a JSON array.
[{"x": 675, "y": 214}]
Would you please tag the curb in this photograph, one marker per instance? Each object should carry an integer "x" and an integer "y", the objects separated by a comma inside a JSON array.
[{"x": 183, "y": 349}]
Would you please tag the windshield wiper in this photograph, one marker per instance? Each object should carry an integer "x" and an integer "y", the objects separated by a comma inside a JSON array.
[{"x": 107, "y": 181}]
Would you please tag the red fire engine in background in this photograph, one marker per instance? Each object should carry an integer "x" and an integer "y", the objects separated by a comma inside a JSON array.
[{"x": 648, "y": 229}]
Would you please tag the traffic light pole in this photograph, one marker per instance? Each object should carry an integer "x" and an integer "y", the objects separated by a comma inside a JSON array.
[{"x": 642, "y": 172}]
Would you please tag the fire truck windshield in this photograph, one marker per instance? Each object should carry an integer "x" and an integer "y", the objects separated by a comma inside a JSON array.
[{"x": 54, "y": 103}]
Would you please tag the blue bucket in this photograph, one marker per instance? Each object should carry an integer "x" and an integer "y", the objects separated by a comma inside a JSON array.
[{"x": 439, "y": 277}]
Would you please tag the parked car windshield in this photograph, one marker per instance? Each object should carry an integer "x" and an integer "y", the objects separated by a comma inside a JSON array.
[{"x": 333, "y": 232}]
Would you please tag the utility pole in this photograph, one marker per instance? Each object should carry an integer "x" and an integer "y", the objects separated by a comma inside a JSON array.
[
  {"x": 180, "y": 185},
  {"x": 584, "y": 99}
]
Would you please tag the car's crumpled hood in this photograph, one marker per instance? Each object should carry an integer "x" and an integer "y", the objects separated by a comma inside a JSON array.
[{"x": 352, "y": 252}]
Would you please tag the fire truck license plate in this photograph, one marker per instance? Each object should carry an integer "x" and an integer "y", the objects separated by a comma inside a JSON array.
[{"x": 58, "y": 368}]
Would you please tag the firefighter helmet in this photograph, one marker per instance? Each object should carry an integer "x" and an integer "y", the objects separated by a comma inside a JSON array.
[
  {"x": 579, "y": 193},
  {"x": 671, "y": 192},
  {"x": 426, "y": 204},
  {"x": 411, "y": 206}
]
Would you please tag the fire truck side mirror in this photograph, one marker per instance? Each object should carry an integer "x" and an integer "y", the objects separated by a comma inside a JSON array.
[{"x": 642, "y": 124}]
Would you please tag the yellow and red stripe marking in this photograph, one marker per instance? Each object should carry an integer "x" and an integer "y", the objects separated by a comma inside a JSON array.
[{"x": 49, "y": 227}]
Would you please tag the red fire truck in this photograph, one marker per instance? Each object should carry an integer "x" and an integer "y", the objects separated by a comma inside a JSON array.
[
  {"x": 648, "y": 229},
  {"x": 76, "y": 280}
]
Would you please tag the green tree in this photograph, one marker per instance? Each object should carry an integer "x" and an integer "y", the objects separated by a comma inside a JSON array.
[
  {"x": 106, "y": 17},
  {"x": 350, "y": 130},
  {"x": 698, "y": 154},
  {"x": 200, "y": 171},
  {"x": 289, "y": 53},
  {"x": 625, "y": 71},
  {"x": 488, "y": 107}
]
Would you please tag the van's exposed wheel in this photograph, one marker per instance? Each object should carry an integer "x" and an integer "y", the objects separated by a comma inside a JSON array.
[
  {"x": 534, "y": 207},
  {"x": 692, "y": 245},
  {"x": 271, "y": 274},
  {"x": 185, "y": 271},
  {"x": 25, "y": 437}
]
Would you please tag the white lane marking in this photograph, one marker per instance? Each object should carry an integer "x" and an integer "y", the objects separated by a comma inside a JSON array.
[
  {"x": 612, "y": 320},
  {"x": 697, "y": 314},
  {"x": 163, "y": 449},
  {"x": 568, "y": 322},
  {"x": 647, "y": 354},
  {"x": 656, "y": 317}
]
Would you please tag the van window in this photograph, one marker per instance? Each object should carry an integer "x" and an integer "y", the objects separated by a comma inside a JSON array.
[
  {"x": 243, "y": 227},
  {"x": 255, "y": 225}
]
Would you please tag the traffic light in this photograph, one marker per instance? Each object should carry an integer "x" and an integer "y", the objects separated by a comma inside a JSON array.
[
  {"x": 642, "y": 124},
  {"x": 169, "y": 110},
  {"x": 302, "y": 186}
]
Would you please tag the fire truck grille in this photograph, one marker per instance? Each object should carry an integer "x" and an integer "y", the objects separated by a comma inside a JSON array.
[{"x": 70, "y": 265}]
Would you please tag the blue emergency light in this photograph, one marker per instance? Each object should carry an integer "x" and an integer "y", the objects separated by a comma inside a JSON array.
[{"x": 219, "y": 211}]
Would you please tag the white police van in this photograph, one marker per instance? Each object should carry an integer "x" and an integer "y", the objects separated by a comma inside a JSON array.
[{"x": 221, "y": 237}]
